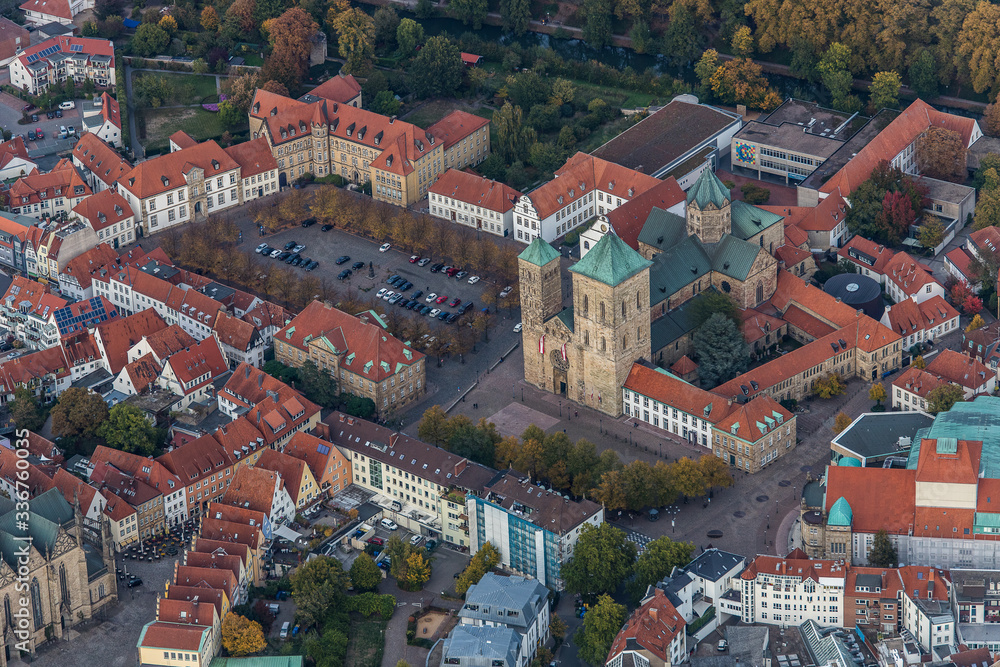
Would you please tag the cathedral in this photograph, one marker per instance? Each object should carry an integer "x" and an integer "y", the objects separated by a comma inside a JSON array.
[
  {"x": 56, "y": 570},
  {"x": 623, "y": 296}
]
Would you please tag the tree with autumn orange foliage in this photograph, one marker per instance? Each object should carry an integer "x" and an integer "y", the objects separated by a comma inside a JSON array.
[{"x": 241, "y": 636}]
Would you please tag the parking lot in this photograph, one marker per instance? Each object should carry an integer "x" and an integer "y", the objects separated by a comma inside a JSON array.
[
  {"x": 327, "y": 247},
  {"x": 10, "y": 116}
]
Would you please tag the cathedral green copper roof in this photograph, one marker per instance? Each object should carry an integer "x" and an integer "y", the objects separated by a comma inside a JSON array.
[
  {"x": 708, "y": 189},
  {"x": 539, "y": 252},
  {"x": 611, "y": 261},
  {"x": 840, "y": 513}
]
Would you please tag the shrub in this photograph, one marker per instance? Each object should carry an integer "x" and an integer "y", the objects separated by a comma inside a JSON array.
[{"x": 754, "y": 194}]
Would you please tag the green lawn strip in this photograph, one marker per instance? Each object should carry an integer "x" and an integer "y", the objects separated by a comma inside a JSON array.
[{"x": 367, "y": 641}]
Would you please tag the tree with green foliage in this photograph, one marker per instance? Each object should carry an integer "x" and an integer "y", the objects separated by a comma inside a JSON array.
[
  {"x": 418, "y": 571},
  {"x": 515, "y": 15},
  {"x": 434, "y": 427},
  {"x": 355, "y": 38},
  {"x": 546, "y": 157},
  {"x": 641, "y": 36},
  {"x": 365, "y": 574},
  {"x": 358, "y": 406},
  {"x": 397, "y": 551},
  {"x": 601, "y": 560},
  {"x": 126, "y": 428},
  {"x": 942, "y": 398},
  {"x": 835, "y": 72},
  {"x": 437, "y": 70},
  {"x": 600, "y": 627},
  {"x": 328, "y": 649},
  {"x": 25, "y": 410},
  {"x": 386, "y": 22},
  {"x": 658, "y": 560},
  {"x": 883, "y": 553},
  {"x": 482, "y": 562},
  {"x": 230, "y": 116},
  {"x": 149, "y": 40},
  {"x": 469, "y": 11},
  {"x": 742, "y": 42},
  {"x": 597, "y": 25},
  {"x": 681, "y": 41},
  {"x": 923, "y": 75},
  {"x": 513, "y": 137},
  {"x": 78, "y": 413},
  {"x": 707, "y": 65},
  {"x": 930, "y": 234},
  {"x": 472, "y": 441},
  {"x": 317, "y": 585},
  {"x": 721, "y": 349},
  {"x": 425, "y": 9},
  {"x": 884, "y": 206},
  {"x": 385, "y": 103},
  {"x": 409, "y": 35},
  {"x": 318, "y": 385},
  {"x": 884, "y": 91}
]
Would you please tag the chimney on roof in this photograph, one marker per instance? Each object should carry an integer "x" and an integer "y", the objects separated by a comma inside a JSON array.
[
  {"x": 460, "y": 466},
  {"x": 342, "y": 416},
  {"x": 654, "y": 614},
  {"x": 392, "y": 119},
  {"x": 350, "y": 421}
]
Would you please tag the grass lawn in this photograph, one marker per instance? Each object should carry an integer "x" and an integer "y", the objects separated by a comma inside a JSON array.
[
  {"x": 188, "y": 88},
  {"x": 161, "y": 123},
  {"x": 367, "y": 641}
]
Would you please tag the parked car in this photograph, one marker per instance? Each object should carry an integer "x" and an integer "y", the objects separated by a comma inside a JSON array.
[
  {"x": 436, "y": 268},
  {"x": 415, "y": 539},
  {"x": 416, "y": 295},
  {"x": 517, "y": 328},
  {"x": 31, "y": 135},
  {"x": 473, "y": 280},
  {"x": 312, "y": 265},
  {"x": 443, "y": 315},
  {"x": 298, "y": 247},
  {"x": 454, "y": 302},
  {"x": 134, "y": 581},
  {"x": 384, "y": 247},
  {"x": 342, "y": 259},
  {"x": 434, "y": 312},
  {"x": 50, "y": 114},
  {"x": 466, "y": 306},
  {"x": 290, "y": 245},
  {"x": 291, "y": 258},
  {"x": 39, "y": 133},
  {"x": 451, "y": 318},
  {"x": 284, "y": 629},
  {"x": 358, "y": 265},
  {"x": 71, "y": 131},
  {"x": 506, "y": 290},
  {"x": 414, "y": 259},
  {"x": 388, "y": 295},
  {"x": 430, "y": 544},
  {"x": 283, "y": 256},
  {"x": 441, "y": 299},
  {"x": 425, "y": 310},
  {"x": 461, "y": 274},
  {"x": 275, "y": 253},
  {"x": 326, "y": 228},
  {"x": 391, "y": 278},
  {"x": 406, "y": 286},
  {"x": 343, "y": 274},
  {"x": 69, "y": 104},
  {"x": 309, "y": 222},
  {"x": 377, "y": 541},
  {"x": 260, "y": 248},
  {"x": 431, "y": 297},
  {"x": 395, "y": 298},
  {"x": 381, "y": 293},
  {"x": 34, "y": 118},
  {"x": 58, "y": 113},
  {"x": 389, "y": 524},
  {"x": 722, "y": 645},
  {"x": 424, "y": 262}
]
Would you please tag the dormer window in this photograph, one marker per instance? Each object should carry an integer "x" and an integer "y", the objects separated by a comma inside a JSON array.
[{"x": 215, "y": 164}]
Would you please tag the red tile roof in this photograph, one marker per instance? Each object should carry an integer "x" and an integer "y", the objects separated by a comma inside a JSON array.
[
  {"x": 628, "y": 219},
  {"x": 167, "y": 172},
  {"x": 116, "y": 508},
  {"x": 675, "y": 392},
  {"x": 683, "y": 366},
  {"x": 650, "y": 628},
  {"x": 174, "y": 636},
  {"x": 988, "y": 489},
  {"x": 205, "y": 545},
  {"x": 143, "y": 372},
  {"x": 43, "y": 448},
  {"x": 168, "y": 341},
  {"x": 10, "y": 468},
  {"x": 962, "y": 259},
  {"x": 109, "y": 110},
  {"x": 475, "y": 190},
  {"x": 62, "y": 181},
  {"x": 917, "y": 381},
  {"x": 224, "y": 580},
  {"x": 340, "y": 88},
  {"x": 795, "y": 236},
  {"x": 470, "y": 58},
  {"x": 307, "y": 447},
  {"x": 790, "y": 255},
  {"x": 987, "y": 241},
  {"x": 233, "y": 564},
  {"x": 234, "y": 332},
  {"x": 130, "y": 489},
  {"x": 249, "y": 385},
  {"x": 100, "y": 159},
  {"x": 201, "y": 594},
  {"x": 254, "y": 157},
  {"x": 105, "y": 209},
  {"x": 803, "y": 321},
  {"x": 38, "y": 366},
  {"x": 118, "y": 336},
  {"x": 365, "y": 348},
  {"x": 12, "y": 149},
  {"x": 203, "y": 360},
  {"x": 757, "y": 325},
  {"x": 878, "y": 255},
  {"x": 592, "y": 173},
  {"x": 947, "y": 523},
  {"x": 890, "y": 142},
  {"x": 58, "y": 8},
  {"x": 456, "y": 126},
  {"x": 182, "y": 139},
  {"x": 229, "y": 531},
  {"x": 754, "y": 420},
  {"x": 967, "y": 372},
  {"x": 32, "y": 297},
  {"x": 908, "y": 317},
  {"x": 185, "y": 611},
  {"x": 291, "y": 469},
  {"x": 253, "y": 488},
  {"x": 84, "y": 266},
  {"x": 197, "y": 460},
  {"x": 73, "y": 487},
  {"x": 909, "y": 275},
  {"x": 158, "y": 476},
  {"x": 942, "y": 466},
  {"x": 796, "y": 564}
]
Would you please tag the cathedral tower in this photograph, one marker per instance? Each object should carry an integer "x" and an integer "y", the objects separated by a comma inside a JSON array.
[
  {"x": 541, "y": 300},
  {"x": 708, "y": 204}
]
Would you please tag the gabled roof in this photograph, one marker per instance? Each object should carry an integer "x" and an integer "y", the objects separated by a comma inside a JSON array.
[
  {"x": 221, "y": 579},
  {"x": 314, "y": 451},
  {"x": 890, "y": 142},
  {"x": 62, "y": 181},
  {"x": 456, "y": 126},
  {"x": 651, "y": 627},
  {"x": 118, "y": 336},
  {"x": 85, "y": 265},
  {"x": 169, "y": 172},
  {"x": 254, "y": 157},
  {"x": 539, "y": 252},
  {"x": 965, "y": 371},
  {"x": 32, "y": 297},
  {"x": 165, "y": 342},
  {"x": 795, "y": 564},
  {"x": 629, "y": 219},
  {"x": 105, "y": 209},
  {"x": 840, "y": 514},
  {"x": 868, "y": 491},
  {"x": 581, "y": 175},
  {"x": 475, "y": 190},
  {"x": 185, "y": 611},
  {"x": 862, "y": 251},
  {"x": 611, "y": 262},
  {"x": 201, "y": 594},
  {"x": 196, "y": 460},
  {"x": 754, "y": 420},
  {"x": 340, "y": 88},
  {"x": 174, "y": 636},
  {"x": 918, "y": 381},
  {"x": 661, "y": 386},
  {"x": 13, "y": 149},
  {"x": 234, "y": 332},
  {"x": 142, "y": 373},
  {"x": 908, "y": 274},
  {"x": 291, "y": 469},
  {"x": 198, "y": 365},
  {"x": 253, "y": 488}
]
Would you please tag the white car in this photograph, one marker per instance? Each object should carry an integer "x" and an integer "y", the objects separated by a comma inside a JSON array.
[
  {"x": 388, "y": 295},
  {"x": 434, "y": 313},
  {"x": 381, "y": 293},
  {"x": 275, "y": 253},
  {"x": 473, "y": 280},
  {"x": 68, "y": 105},
  {"x": 384, "y": 247},
  {"x": 298, "y": 248},
  {"x": 506, "y": 290},
  {"x": 431, "y": 297},
  {"x": 260, "y": 247},
  {"x": 517, "y": 328}
]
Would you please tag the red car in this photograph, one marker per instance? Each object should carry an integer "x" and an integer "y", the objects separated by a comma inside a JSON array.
[
  {"x": 441, "y": 299},
  {"x": 39, "y": 133},
  {"x": 452, "y": 271},
  {"x": 377, "y": 541},
  {"x": 455, "y": 302},
  {"x": 414, "y": 259}
]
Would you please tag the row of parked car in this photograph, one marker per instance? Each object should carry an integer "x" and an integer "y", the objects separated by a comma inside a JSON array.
[
  {"x": 290, "y": 255},
  {"x": 412, "y": 301}
]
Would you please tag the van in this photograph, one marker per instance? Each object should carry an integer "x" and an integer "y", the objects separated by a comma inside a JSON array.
[
  {"x": 284, "y": 629},
  {"x": 388, "y": 524},
  {"x": 68, "y": 105},
  {"x": 274, "y": 608}
]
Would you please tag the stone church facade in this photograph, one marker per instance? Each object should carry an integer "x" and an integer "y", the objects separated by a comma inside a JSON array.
[
  {"x": 70, "y": 571},
  {"x": 585, "y": 351}
]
